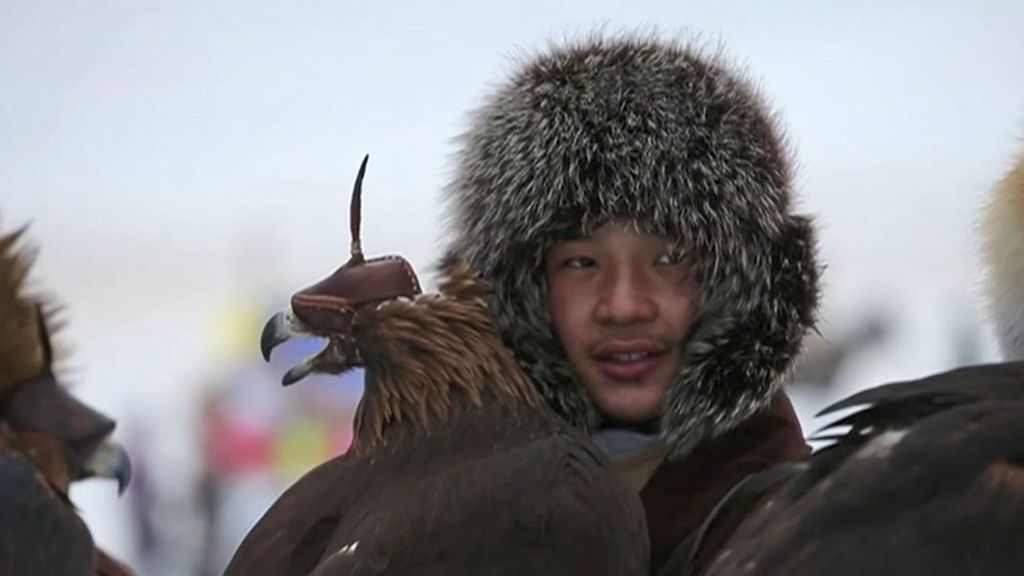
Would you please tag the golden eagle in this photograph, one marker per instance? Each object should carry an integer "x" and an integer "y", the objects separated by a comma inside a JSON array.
[
  {"x": 48, "y": 439},
  {"x": 457, "y": 465}
]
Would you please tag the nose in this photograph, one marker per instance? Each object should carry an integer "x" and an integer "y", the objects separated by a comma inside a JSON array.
[{"x": 626, "y": 297}]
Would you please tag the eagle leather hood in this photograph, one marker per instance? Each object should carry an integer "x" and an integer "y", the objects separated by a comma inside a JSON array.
[{"x": 677, "y": 140}]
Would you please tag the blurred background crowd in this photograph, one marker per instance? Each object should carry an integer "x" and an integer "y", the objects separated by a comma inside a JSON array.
[{"x": 185, "y": 165}]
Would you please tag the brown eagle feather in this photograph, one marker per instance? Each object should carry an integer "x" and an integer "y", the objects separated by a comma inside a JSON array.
[{"x": 419, "y": 352}]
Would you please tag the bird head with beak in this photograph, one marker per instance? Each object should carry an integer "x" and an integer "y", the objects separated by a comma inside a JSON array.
[
  {"x": 327, "y": 308},
  {"x": 48, "y": 439},
  {"x": 66, "y": 439},
  {"x": 420, "y": 351}
]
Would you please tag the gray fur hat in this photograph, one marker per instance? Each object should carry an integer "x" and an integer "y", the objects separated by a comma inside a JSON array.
[{"x": 662, "y": 133}]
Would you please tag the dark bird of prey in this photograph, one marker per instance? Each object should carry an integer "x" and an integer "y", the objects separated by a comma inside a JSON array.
[
  {"x": 457, "y": 465},
  {"x": 925, "y": 477},
  {"x": 48, "y": 439}
]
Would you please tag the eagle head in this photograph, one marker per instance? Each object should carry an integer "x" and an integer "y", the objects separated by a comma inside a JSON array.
[
  {"x": 66, "y": 439},
  {"x": 327, "y": 309}
]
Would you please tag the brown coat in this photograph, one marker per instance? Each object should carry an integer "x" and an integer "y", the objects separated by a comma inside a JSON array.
[{"x": 681, "y": 494}]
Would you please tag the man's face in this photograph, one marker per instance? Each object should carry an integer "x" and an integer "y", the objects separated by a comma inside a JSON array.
[{"x": 622, "y": 303}]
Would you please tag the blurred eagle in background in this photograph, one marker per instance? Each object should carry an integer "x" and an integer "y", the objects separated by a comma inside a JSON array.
[
  {"x": 924, "y": 477},
  {"x": 48, "y": 439},
  {"x": 457, "y": 465}
]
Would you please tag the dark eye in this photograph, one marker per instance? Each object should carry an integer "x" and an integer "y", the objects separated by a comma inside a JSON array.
[
  {"x": 673, "y": 255},
  {"x": 579, "y": 262}
]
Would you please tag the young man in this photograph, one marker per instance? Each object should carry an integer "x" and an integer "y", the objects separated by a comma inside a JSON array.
[{"x": 630, "y": 201}]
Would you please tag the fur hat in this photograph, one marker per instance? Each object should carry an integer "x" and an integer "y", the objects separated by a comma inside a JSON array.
[{"x": 659, "y": 132}]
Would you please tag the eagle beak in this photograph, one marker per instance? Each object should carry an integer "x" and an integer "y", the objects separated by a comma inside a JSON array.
[
  {"x": 274, "y": 332},
  {"x": 280, "y": 328},
  {"x": 110, "y": 460},
  {"x": 297, "y": 373}
]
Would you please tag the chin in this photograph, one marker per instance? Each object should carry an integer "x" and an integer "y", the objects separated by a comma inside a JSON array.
[
  {"x": 634, "y": 403},
  {"x": 630, "y": 412}
]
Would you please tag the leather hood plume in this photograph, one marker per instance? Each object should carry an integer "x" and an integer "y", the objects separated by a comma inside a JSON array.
[{"x": 678, "y": 140}]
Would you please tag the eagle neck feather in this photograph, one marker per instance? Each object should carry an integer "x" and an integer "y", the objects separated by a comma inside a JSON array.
[
  {"x": 428, "y": 358},
  {"x": 23, "y": 353}
]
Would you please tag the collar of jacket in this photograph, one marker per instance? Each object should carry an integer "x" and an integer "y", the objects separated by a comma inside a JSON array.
[
  {"x": 681, "y": 493},
  {"x": 638, "y": 466}
]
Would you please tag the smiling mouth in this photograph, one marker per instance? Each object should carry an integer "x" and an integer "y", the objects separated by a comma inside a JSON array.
[
  {"x": 626, "y": 357},
  {"x": 628, "y": 370},
  {"x": 628, "y": 361}
]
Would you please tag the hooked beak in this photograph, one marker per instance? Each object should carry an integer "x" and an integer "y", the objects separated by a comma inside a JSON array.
[
  {"x": 275, "y": 332},
  {"x": 280, "y": 328},
  {"x": 110, "y": 460}
]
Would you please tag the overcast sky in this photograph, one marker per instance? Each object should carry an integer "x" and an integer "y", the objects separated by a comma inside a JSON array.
[{"x": 175, "y": 157}]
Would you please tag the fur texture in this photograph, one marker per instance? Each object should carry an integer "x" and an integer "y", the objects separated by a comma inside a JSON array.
[
  {"x": 421, "y": 353},
  {"x": 1002, "y": 234},
  {"x": 663, "y": 133}
]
